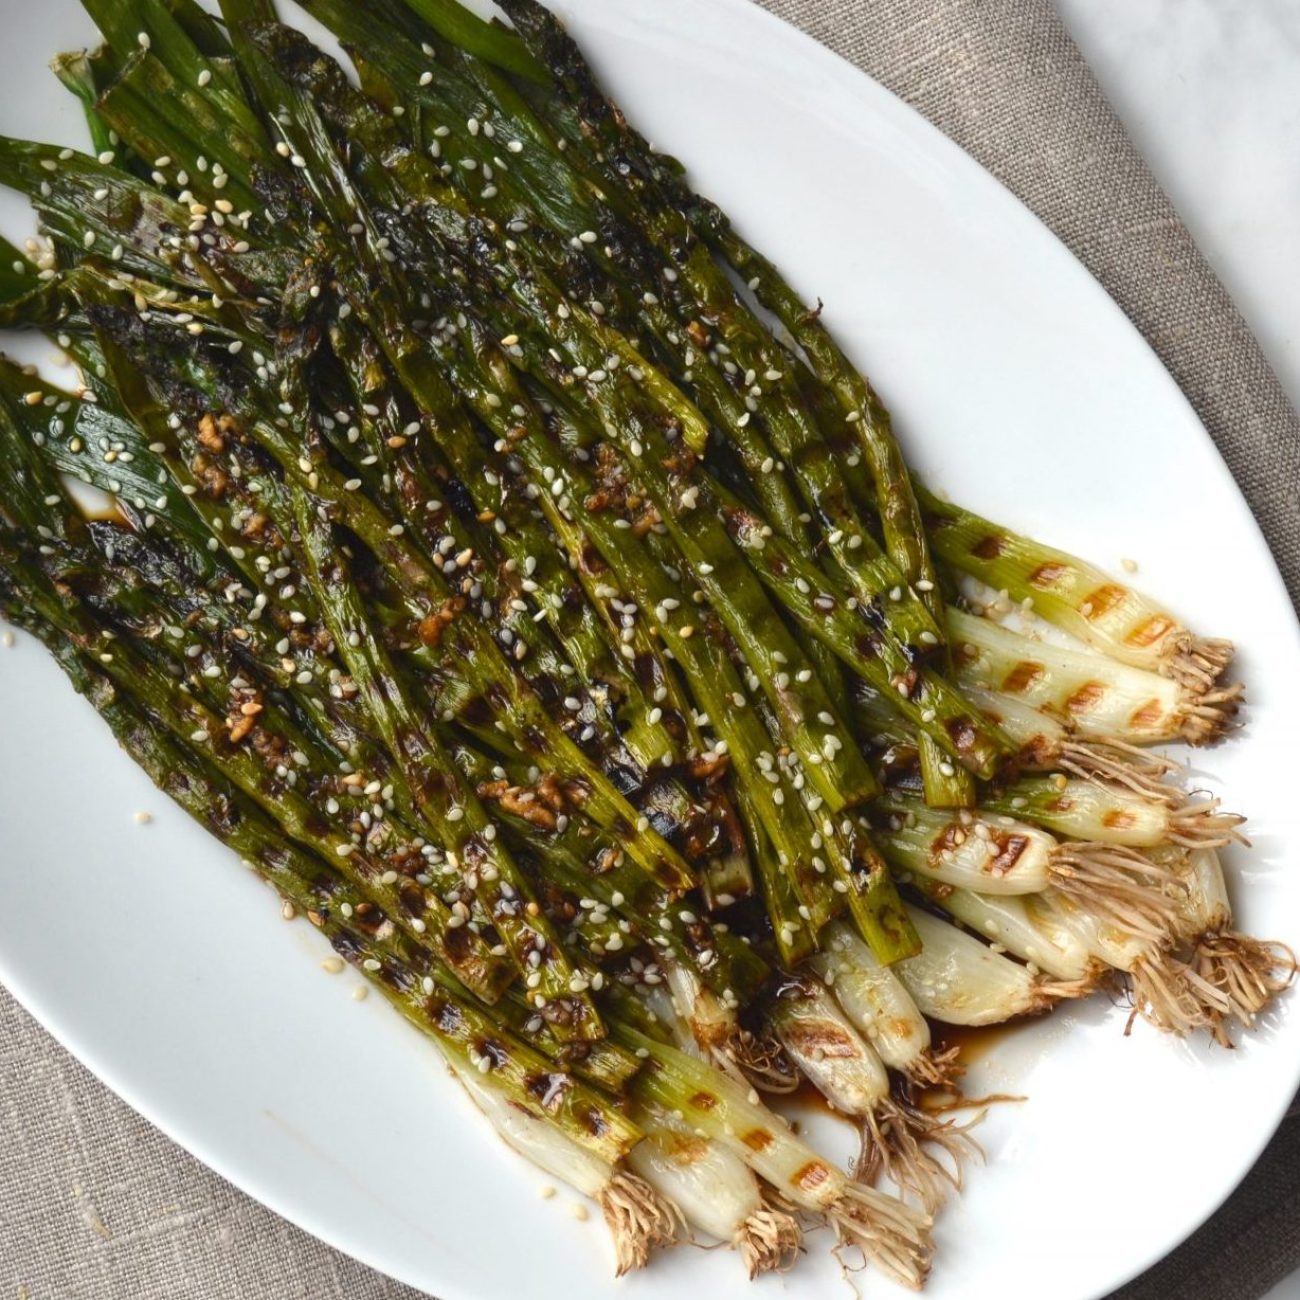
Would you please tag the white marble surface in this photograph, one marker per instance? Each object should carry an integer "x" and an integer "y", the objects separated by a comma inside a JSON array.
[{"x": 1210, "y": 92}]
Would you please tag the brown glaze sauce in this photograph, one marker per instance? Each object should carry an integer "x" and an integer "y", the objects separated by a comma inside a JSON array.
[
  {"x": 805, "y": 1097},
  {"x": 973, "y": 1042}
]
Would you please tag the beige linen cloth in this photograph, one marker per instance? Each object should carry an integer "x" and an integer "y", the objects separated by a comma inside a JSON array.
[{"x": 97, "y": 1205}]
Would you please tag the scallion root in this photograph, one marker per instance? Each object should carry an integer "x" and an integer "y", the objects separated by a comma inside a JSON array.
[
  {"x": 1170, "y": 995},
  {"x": 639, "y": 1219},
  {"x": 1208, "y": 715},
  {"x": 902, "y": 1143},
  {"x": 764, "y": 1062},
  {"x": 1120, "y": 886},
  {"x": 939, "y": 1070},
  {"x": 1199, "y": 662},
  {"x": 1200, "y": 825},
  {"x": 1065, "y": 990},
  {"x": 889, "y": 1232},
  {"x": 1249, "y": 972},
  {"x": 769, "y": 1241},
  {"x": 1135, "y": 769}
]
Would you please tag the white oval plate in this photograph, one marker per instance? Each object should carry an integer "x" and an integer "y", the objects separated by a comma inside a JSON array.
[{"x": 1020, "y": 388}]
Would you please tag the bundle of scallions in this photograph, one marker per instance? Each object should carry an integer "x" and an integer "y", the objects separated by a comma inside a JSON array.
[{"x": 515, "y": 572}]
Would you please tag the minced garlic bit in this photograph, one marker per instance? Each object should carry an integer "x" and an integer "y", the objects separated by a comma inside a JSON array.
[
  {"x": 143, "y": 818},
  {"x": 332, "y": 965}
]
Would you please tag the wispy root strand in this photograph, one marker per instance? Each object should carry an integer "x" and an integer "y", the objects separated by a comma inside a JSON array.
[
  {"x": 1174, "y": 998},
  {"x": 769, "y": 1241},
  {"x": 1138, "y": 770},
  {"x": 1053, "y": 991},
  {"x": 904, "y": 1145},
  {"x": 1199, "y": 662},
  {"x": 890, "y": 1233},
  {"x": 938, "y": 1070},
  {"x": 1120, "y": 886},
  {"x": 1209, "y": 715},
  {"x": 639, "y": 1219},
  {"x": 1200, "y": 825},
  {"x": 1249, "y": 972},
  {"x": 763, "y": 1062}
]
